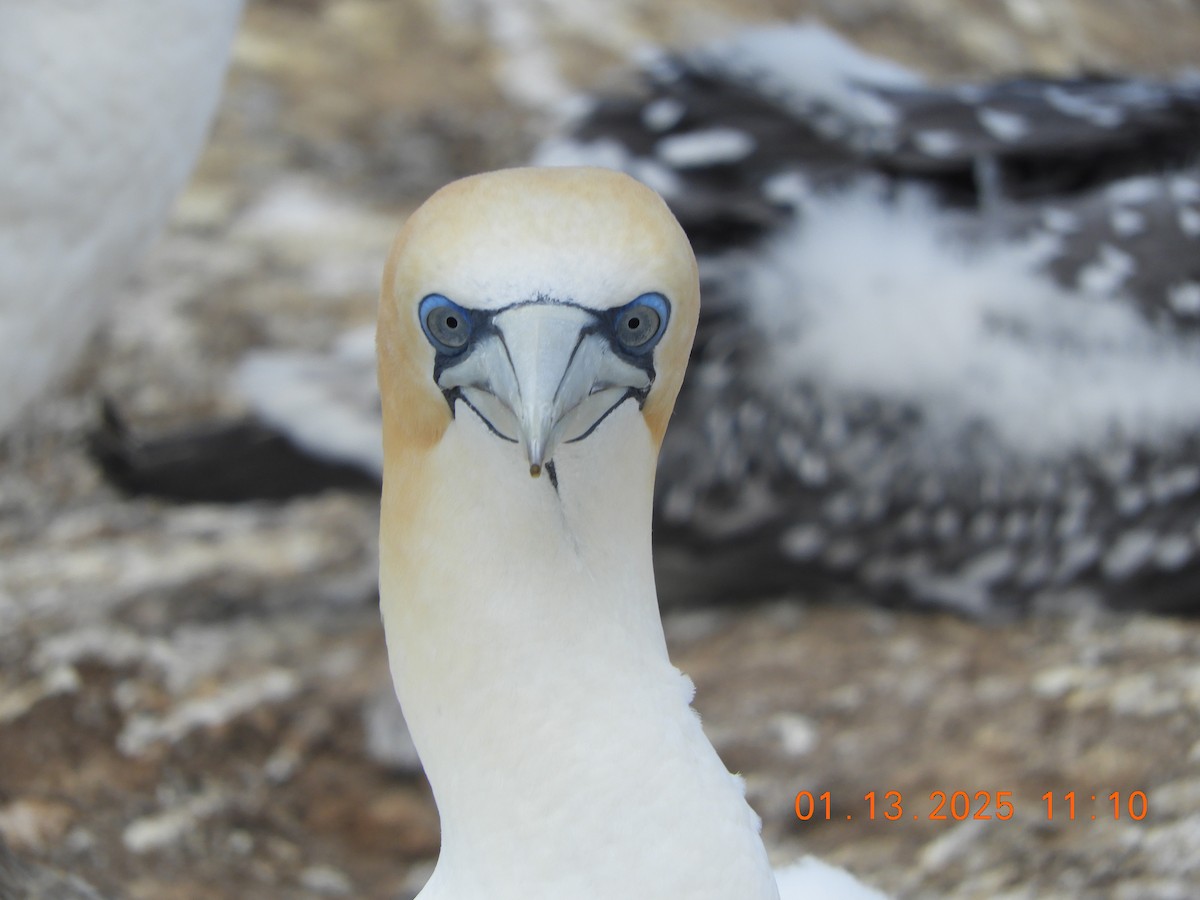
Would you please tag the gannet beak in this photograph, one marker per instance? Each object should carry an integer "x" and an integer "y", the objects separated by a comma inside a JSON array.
[{"x": 543, "y": 374}]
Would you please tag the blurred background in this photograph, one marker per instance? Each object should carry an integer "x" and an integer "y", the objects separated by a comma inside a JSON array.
[{"x": 194, "y": 699}]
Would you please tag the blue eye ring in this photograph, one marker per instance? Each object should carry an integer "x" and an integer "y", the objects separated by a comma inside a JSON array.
[
  {"x": 447, "y": 325},
  {"x": 639, "y": 325}
]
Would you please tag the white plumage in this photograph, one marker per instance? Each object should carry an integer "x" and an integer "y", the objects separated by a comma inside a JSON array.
[
  {"x": 104, "y": 107},
  {"x": 538, "y": 321}
]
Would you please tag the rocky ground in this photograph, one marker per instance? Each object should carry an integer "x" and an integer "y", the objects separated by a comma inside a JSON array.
[{"x": 194, "y": 700}]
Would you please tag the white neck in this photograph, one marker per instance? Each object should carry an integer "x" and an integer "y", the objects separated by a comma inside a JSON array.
[{"x": 558, "y": 739}]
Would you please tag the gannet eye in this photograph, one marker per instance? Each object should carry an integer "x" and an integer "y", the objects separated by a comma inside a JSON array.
[
  {"x": 446, "y": 324},
  {"x": 640, "y": 323}
]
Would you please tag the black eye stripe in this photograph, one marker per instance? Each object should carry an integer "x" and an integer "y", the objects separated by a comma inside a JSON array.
[{"x": 633, "y": 330}]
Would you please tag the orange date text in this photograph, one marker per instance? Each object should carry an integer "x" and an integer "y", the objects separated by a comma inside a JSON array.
[{"x": 958, "y": 806}]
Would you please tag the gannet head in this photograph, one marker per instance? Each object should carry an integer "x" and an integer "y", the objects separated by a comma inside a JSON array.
[{"x": 539, "y": 301}]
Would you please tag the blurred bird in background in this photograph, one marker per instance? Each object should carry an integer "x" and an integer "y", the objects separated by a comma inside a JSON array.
[
  {"x": 947, "y": 347},
  {"x": 104, "y": 109}
]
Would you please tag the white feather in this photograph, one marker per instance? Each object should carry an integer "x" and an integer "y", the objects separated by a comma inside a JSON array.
[
  {"x": 105, "y": 106},
  {"x": 806, "y": 65},
  {"x": 881, "y": 296},
  {"x": 812, "y": 878}
]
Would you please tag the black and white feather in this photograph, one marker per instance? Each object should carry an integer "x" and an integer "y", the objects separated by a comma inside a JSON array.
[{"x": 949, "y": 349}]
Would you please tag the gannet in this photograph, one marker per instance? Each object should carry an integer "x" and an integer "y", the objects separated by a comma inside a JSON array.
[
  {"x": 105, "y": 106},
  {"x": 948, "y": 340},
  {"x": 534, "y": 327}
]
